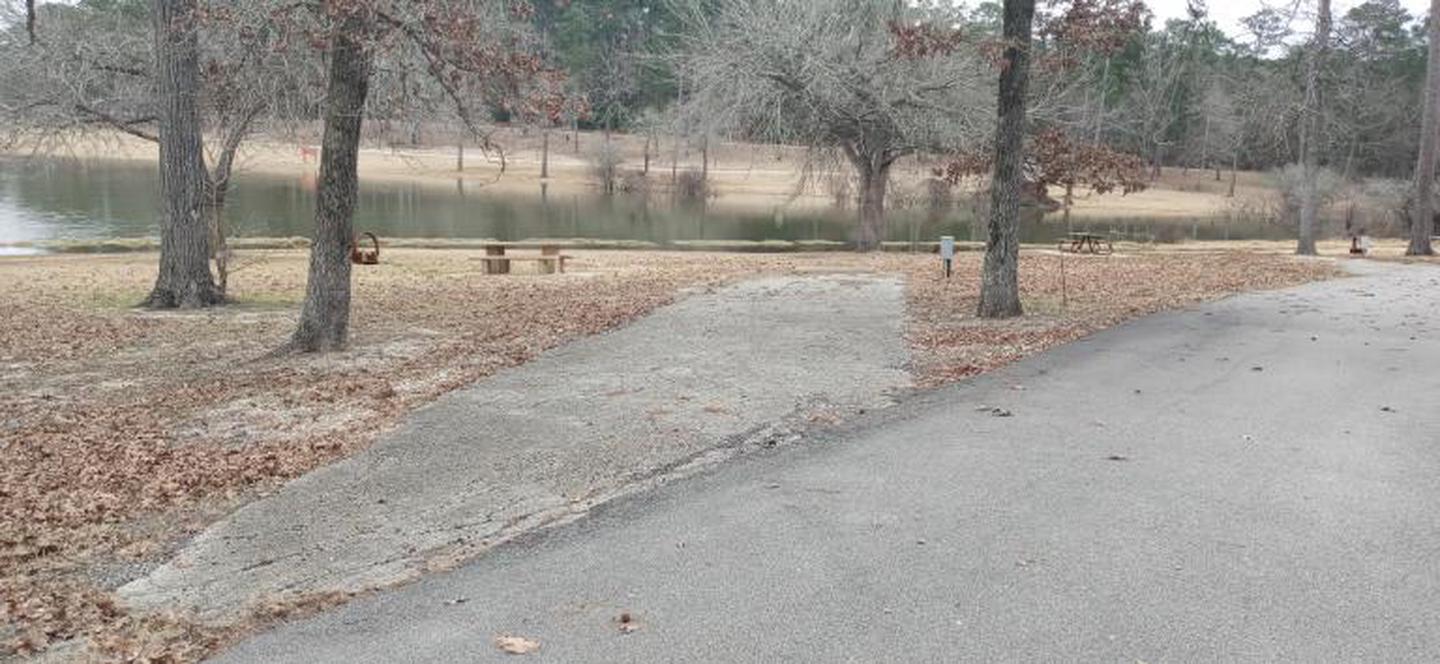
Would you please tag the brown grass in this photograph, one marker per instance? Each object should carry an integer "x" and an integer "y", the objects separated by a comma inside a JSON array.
[{"x": 124, "y": 430}]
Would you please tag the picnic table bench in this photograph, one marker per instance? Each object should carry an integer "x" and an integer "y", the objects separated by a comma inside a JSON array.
[
  {"x": 497, "y": 261},
  {"x": 1094, "y": 243}
]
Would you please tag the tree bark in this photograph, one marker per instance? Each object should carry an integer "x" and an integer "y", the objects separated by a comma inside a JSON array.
[
  {"x": 646, "y": 170},
  {"x": 1158, "y": 156},
  {"x": 1422, "y": 224},
  {"x": 217, "y": 188},
  {"x": 1205, "y": 148},
  {"x": 1310, "y": 133},
  {"x": 1000, "y": 276},
  {"x": 1234, "y": 173},
  {"x": 184, "y": 279},
  {"x": 545, "y": 153},
  {"x": 1100, "y": 110},
  {"x": 30, "y": 20},
  {"x": 874, "y": 174},
  {"x": 325, "y": 317}
]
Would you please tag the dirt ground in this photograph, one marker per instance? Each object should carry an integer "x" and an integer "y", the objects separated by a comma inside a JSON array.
[{"x": 124, "y": 431}]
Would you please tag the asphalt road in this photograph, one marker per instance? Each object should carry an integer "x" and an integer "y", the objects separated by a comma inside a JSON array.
[{"x": 1253, "y": 480}]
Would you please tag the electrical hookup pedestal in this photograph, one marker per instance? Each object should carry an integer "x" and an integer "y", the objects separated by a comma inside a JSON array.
[{"x": 947, "y": 253}]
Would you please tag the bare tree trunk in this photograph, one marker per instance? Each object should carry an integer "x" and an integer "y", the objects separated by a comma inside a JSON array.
[
  {"x": 1205, "y": 146},
  {"x": 325, "y": 318},
  {"x": 874, "y": 174},
  {"x": 184, "y": 279},
  {"x": 646, "y": 171},
  {"x": 705, "y": 159},
  {"x": 1234, "y": 172},
  {"x": 1422, "y": 224},
  {"x": 679, "y": 127},
  {"x": 460, "y": 156},
  {"x": 1310, "y": 133},
  {"x": 1000, "y": 277},
  {"x": 30, "y": 19},
  {"x": 1350, "y": 159},
  {"x": 545, "y": 153},
  {"x": 217, "y": 188},
  {"x": 1100, "y": 110}
]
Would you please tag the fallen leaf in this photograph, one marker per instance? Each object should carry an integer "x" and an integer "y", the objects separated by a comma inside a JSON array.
[{"x": 516, "y": 645}]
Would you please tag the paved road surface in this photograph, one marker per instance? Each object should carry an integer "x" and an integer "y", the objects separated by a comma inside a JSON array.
[{"x": 1253, "y": 480}]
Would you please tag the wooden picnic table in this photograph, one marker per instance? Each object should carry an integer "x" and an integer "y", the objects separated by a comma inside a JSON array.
[
  {"x": 497, "y": 260},
  {"x": 1082, "y": 242}
]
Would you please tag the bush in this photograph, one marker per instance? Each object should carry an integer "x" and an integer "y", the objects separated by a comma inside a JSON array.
[
  {"x": 605, "y": 160},
  {"x": 634, "y": 182},
  {"x": 691, "y": 185},
  {"x": 1379, "y": 206},
  {"x": 1289, "y": 181}
]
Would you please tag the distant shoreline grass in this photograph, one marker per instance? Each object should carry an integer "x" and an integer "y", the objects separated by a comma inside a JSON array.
[{"x": 132, "y": 245}]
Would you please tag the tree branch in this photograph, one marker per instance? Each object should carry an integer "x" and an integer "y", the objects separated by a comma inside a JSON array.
[{"x": 120, "y": 124}]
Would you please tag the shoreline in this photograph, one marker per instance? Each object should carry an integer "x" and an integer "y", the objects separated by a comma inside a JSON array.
[
  {"x": 1334, "y": 247},
  {"x": 740, "y": 174}
]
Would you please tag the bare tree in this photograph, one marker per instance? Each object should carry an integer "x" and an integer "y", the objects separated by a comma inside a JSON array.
[
  {"x": 466, "y": 49},
  {"x": 1000, "y": 276},
  {"x": 94, "y": 75},
  {"x": 30, "y": 19},
  {"x": 325, "y": 317},
  {"x": 1159, "y": 79},
  {"x": 1310, "y": 129},
  {"x": 184, "y": 279},
  {"x": 1221, "y": 121},
  {"x": 1422, "y": 223},
  {"x": 842, "y": 76}
]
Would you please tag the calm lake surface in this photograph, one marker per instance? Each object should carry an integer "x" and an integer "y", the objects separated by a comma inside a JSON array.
[{"x": 68, "y": 200}]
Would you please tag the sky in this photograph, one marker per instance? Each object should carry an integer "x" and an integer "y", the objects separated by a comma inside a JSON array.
[{"x": 1228, "y": 13}]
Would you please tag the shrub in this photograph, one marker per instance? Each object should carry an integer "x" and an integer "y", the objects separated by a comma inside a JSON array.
[
  {"x": 605, "y": 160},
  {"x": 691, "y": 185}
]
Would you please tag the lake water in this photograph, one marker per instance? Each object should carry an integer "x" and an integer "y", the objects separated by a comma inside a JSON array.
[{"x": 68, "y": 200}]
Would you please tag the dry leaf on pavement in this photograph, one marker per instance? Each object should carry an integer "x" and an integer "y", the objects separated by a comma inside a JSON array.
[{"x": 516, "y": 645}]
